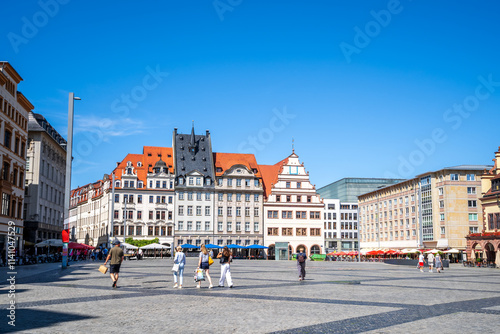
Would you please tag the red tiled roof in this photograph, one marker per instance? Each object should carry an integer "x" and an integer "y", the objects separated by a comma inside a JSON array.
[
  {"x": 224, "y": 161},
  {"x": 270, "y": 175},
  {"x": 149, "y": 157}
]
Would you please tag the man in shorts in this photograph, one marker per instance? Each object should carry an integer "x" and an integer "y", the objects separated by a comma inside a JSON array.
[{"x": 116, "y": 256}]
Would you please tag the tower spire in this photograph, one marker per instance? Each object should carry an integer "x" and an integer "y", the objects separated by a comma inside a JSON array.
[
  {"x": 192, "y": 142},
  {"x": 293, "y": 145}
]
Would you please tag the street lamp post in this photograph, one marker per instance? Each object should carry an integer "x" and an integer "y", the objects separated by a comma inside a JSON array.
[{"x": 67, "y": 182}]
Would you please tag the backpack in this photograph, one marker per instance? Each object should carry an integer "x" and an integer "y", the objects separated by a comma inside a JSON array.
[{"x": 301, "y": 258}]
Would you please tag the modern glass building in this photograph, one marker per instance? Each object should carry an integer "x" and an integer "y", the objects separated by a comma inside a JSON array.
[{"x": 348, "y": 189}]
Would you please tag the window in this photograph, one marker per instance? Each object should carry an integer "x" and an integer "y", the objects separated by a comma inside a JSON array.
[
  {"x": 272, "y": 214},
  {"x": 198, "y": 196},
  {"x": 301, "y": 215},
  {"x": 190, "y": 210},
  {"x": 150, "y": 215},
  {"x": 238, "y": 211},
  {"x": 229, "y": 226},
  {"x": 471, "y": 190},
  {"x": 219, "y": 181},
  {"x": 256, "y": 226},
  {"x": 287, "y": 231},
  {"x": 220, "y": 196},
  {"x": 278, "y": 198},
  {"x": 238, "y": 182},
  {"x": 117, "y": 198},
  {"x": 198, "y": 210},
  {"x": 247, "y": 183},
  {"x": 220, "y": 211},
  {"x": 473, "y": 229},
  {"x": 247, "y": 197},
  {"x": 286, "y": 214},
  {"x": 207, "y": 211},
  {"x": 315, "y": 215},
  {"x": 441, "y": 191},
  {"x": 180, "y": 225},
  {"x": 301, "y": 231},
  {"x": 229, "y": 182},
  {"x": 238, "y": 197},
  {"x": 207, "y": 196},
  {"x": 471, "y": 177},
  {"x": 207, "y": 227},
  {"x": 272, "y": 231},
  {"x": 247, "y": 212},
  {"x": 229, "y": 211},
  {"x": 229, "y": 197},
  {"x": 473, "y": 217},
  {"x": 299, "y": 185},
  {"x": 288, "y": 184},
  {"x": 247, "y": 226},
  {"x": 238, "y": 226},
  {"x": 190, "y": 196},
  {"x": 198, "y": 226},
  {"x": 255, "y": 212},
  {"x": 181, "y": 196},
  {"x": 219, "y": 226},
  {"x": 315, "y": 232},
  {"x": 191, "y": 181},
  {"x": 198, "y": 181},
  {"x": 256, "y": 183},
  {"x": 472, "y": 204},
  {"x": 256, "y": 198},
  {"x": 454, "y": 177},
  {"x": 443, "y": 230},
  {"x": 288, "y": 198},
  {"x": 139, "y": 215},
  {"x": 189, "y": 226},
  {"x": 139, "y": 199},
  {"x": 441, "y": 204},
  {"x": 441, "y": 216},
  {"x": 308, "y": 199}
]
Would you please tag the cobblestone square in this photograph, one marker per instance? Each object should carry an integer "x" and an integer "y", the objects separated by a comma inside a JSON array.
[{"x": 340, "y": 297}]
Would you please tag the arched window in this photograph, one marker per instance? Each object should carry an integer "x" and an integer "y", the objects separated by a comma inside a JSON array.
[
  {"x": 117, "y": 184},
  {"x": 315, "y": 249}
]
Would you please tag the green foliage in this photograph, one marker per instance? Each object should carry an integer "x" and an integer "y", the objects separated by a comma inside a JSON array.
[{"x": 142, "y": 242}]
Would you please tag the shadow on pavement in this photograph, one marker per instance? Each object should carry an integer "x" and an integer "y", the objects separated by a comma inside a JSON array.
[{"x": 30, "y": 320}]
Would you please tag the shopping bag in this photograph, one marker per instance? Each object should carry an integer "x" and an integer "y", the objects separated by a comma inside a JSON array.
[
  {"x": 198, "y": 276},
  {"x": 210, "y": 261},
  {"x": 103, "y": 269},
  {"x": 175, "y": 267}
]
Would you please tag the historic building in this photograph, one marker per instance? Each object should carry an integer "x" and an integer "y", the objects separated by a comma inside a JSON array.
[
  {"x": 293, "y": 210},
  {"x": 238, "y": 200},
  {"x": 142, "y": 206},
  {"x": 483, "y": 242},
  {"x": 340, "y": 229},
  {"x": 45, "y": 177},
  {"x": 194, "y": 188},
  {"x": 14, "y": 108},
  {"x": 433, "y": 210}
]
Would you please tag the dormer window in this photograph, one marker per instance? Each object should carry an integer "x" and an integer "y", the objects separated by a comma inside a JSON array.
[
  {"x": 117, "y": 184},
  {"x": 139, "y": 164},
  {"x": 129, "y": 171}
]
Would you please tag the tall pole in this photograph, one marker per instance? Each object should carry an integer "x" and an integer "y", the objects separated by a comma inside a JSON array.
[
  {"x": 421, "y": 226},
  {"x": 67, "y": 182}
]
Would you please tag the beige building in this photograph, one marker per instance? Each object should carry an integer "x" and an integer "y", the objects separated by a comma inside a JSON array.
[
  {"x": 293, "y": 210},
  {"x": 14, "y": 108},
  {"x": 45, "y": 177},
  {"x": 434, "y": 210},
  {"x": 238, "y": 199}
]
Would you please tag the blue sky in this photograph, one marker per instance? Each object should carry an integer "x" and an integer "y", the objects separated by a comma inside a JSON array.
[{"x": 365, "y": 88}]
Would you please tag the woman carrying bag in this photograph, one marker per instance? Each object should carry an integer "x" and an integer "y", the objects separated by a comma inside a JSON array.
[
  {"x": 179, "y": 262},
  {"x": 204, "y": 265},
  {"x": 225, "y": 270}
]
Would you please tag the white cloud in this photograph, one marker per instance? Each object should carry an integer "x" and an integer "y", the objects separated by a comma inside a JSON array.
[{"x": 107, "y": 127}]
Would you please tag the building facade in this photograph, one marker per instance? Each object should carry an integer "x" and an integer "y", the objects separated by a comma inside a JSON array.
[
  {"x": 238, "y": 199},
  {"x": 45, "y": 178},
  {"x": 194, "y": 188},
  {"x": 340, "y": 229},
  {"x": 433, "y": 210},
  {"x": 483, "y": 242},
  {"x": 14, "y": 108},
  {"x": 292, "y": 208}
]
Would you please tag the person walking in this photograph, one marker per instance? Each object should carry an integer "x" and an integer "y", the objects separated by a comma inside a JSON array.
[
  {"x": 421, "y": 262},
  {"x": 180, "y": 258},
  {"x": 116, "y": 255},
  {"x": 439, "y": 262},
  {"x": 203, "y": 265},
  {"x": 430, "y": 260},
  {"x": 301, "y": 264},
  {"x": 225, "y": 270}
]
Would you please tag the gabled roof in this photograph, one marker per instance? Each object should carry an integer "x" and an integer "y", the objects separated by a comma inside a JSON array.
[
  {"x": 270, "y": 175},
  {"x": 150, "y": 156},
  {"x": 193, "y": 152},
  {"x": 224, "y": 161}
]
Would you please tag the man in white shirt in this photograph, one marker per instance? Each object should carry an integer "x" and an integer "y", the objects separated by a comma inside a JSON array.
[{"x": 430, "y": 259}]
